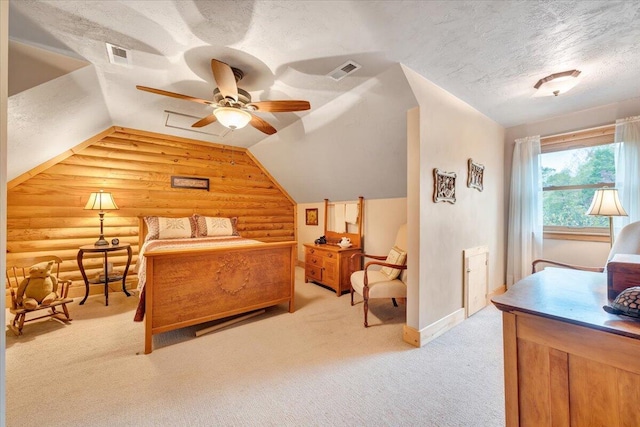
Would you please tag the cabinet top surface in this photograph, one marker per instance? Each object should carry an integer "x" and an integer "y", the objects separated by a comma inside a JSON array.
[
  {"x": 571, "y": 296},
  {"x": 330, "y": 247},
  {"x": 105, "y": 248}
]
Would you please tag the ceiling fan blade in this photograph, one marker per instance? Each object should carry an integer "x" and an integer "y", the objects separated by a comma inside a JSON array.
[
  {"x": 262, "y": 125},
  {"x": 281, "y": 106},
  {"x": 175, "y": 95},
  {"x": 225, "y": 79},
  {"x": 204, "y": 121}
]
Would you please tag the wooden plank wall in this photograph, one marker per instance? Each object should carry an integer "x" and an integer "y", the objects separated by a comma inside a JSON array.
[{"x": 45, "y": 212}]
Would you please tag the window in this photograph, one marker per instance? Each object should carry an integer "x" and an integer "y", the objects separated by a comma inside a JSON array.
[{"x": 573, "y": 167}]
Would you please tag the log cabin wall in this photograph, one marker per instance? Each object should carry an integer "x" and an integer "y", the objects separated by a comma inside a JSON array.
[{"x": 45, "y": 206}]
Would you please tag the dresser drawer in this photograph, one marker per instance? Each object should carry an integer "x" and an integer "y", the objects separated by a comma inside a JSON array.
[
  {"x": 313, "y": 272},
  {"x": 314, "y": 260}
]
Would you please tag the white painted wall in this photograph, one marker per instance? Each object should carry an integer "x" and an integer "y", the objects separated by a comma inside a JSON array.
[
  {"x": 382, "y": 218},
  {"x": 353, "y": 146},
  {"x": 450, "y": 132},
  {"x": 30, "y": 66},
  {"x": 4, "y": 78},
  {"x": 573, "y": 252},
  {"x": 38, "y": 134}
]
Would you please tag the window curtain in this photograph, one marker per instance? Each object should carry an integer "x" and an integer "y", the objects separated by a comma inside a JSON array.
[
  {"x": 524, "y": 243},
  {"x": 628, "y": 170}
]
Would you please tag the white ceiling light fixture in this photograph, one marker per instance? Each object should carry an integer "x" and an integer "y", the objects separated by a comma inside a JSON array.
[
  {"x": 231, "y": 117},
  {"x": 556, "y": 83}
]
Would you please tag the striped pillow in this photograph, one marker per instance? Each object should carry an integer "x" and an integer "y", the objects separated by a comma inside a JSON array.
[
  {"x": 209, "y": 226},
  {"x": 170, "y": 228}
]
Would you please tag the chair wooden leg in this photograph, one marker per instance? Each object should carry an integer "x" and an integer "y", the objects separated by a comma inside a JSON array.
[
  {"x": 395, "y": 303},
  {"x": 352, "y": 296},
  {"x": 21, "y": 322},
  {"x": 13, "y": 326},
  {"x": 66, "y": 311},
  {"x": 366, "y": 311}
]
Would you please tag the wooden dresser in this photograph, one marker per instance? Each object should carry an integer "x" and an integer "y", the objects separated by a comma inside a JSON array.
[
  {"x": 566, "y": 361},
  {"x": 328, "y": 265}
]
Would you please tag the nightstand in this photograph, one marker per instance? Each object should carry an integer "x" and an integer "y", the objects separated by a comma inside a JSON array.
[{"x": 105, "y": 250}]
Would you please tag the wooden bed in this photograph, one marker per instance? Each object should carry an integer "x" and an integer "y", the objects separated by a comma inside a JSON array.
[{"x": 190, "y": 286}]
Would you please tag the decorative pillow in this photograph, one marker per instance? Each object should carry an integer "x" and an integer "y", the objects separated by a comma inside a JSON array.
[
  {"x": 170, "y": 228},
  {"x": 396, "y": 256},
  {"x": 209, "y": 226}
]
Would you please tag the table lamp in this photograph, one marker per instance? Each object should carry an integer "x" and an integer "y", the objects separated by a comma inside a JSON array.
[
  {"x": 101, "y": 201},
  {"x": 606, "y": 203}
]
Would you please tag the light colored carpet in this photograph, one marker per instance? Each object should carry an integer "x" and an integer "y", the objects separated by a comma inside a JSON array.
[{"x": 316, "y": 367}]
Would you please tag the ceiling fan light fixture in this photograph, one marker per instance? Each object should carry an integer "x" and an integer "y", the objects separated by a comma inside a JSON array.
[
  {"x": 557, "y": 83},
  {"x": 233, "y": 118}
]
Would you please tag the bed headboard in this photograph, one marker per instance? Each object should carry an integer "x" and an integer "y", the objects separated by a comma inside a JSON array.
[{"x": 142, "y": 231}]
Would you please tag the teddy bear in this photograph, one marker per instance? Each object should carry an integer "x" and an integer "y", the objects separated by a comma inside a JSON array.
[{"x": 39, "y": 288}]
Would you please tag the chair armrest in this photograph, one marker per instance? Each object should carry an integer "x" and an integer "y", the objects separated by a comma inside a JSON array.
[
  {"x": 357, "y": 255},
  {"x": 64, "y": 288},
  {"x": 385, "y": 264},
  {"x": 14, "y": 298},
  {"x": 535, "y": 263}
]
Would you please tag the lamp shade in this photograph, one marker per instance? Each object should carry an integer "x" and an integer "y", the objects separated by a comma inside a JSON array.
[
  {"x": 101, "y": 201},
  {"x": 233, "y": 118},
  {"x": 606, "y": 203}
]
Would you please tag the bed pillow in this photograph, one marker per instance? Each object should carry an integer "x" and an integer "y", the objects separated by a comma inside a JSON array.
[
  {"x": 170, "y": 228},
  {"x": 211, "y": 226},
  {"x": 396, "y": 256}
]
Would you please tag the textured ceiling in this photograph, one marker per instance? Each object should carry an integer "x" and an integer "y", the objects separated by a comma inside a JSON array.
[{"x": 487, "y": 53}]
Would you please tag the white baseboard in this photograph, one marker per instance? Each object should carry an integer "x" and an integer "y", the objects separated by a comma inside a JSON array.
[{"x": 419, "y": 338}]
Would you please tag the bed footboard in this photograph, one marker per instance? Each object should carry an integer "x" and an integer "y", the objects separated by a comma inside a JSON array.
[{"x": 188, "y": 287}]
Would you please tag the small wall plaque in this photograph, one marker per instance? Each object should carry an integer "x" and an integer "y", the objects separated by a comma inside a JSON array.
[
  {"x": 475, "y": 175},
  {"x": 444, "y": 186},
  {"x": 311, "y": 216},
  {"x": 189, "y": 182}
]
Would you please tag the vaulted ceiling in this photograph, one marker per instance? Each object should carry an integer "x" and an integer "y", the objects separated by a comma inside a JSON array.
[{"x": 487, "y": 53}]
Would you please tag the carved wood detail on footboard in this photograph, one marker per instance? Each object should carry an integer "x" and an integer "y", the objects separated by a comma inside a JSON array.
[{"x": 187, "y": 287}]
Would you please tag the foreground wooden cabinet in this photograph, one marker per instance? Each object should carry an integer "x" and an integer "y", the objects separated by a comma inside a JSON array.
[
  {"x": 328, "y": 265},
  {"x": 566, "y": 361}
]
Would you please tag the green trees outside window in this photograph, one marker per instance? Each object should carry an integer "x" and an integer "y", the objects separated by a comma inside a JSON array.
[{"x": 569, "y": 180}]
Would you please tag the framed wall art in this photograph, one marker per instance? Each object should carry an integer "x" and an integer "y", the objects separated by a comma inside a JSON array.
[
  {"x": 444, "y": 186},
  {"x": 311, "y": 216},
  {"x": 475, "y": 175},
  {"x": 189, "y": 182}
]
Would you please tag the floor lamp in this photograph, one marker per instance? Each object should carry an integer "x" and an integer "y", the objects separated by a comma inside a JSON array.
[{"x": 606, "y": 203}]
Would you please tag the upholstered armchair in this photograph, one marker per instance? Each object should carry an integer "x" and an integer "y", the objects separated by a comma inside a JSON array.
[
  {"x": 387, "y": 282},
  {"x": 628, "y": 242}
]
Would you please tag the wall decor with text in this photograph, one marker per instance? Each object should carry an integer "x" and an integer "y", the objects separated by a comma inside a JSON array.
[
  {"x": 475, "y": 175},
  {"x": 190, "y": 182},
  {"x": 444, "y": 186}
]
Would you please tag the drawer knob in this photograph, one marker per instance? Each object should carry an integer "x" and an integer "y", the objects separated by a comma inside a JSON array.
[
  {"x": 314, "y": 261},
  {"x": 312, "y": 250},
  {"x": 330, "y": 255}
]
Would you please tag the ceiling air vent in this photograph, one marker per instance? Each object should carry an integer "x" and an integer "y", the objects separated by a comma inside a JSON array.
[
  {"x": 344, "y": 70},
  {"x": 118, "y": 55}
]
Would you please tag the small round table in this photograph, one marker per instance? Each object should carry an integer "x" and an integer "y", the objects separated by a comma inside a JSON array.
[{"x": 105, "y": 250}]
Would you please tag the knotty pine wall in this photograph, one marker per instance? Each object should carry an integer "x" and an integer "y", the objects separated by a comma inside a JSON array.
[{"x": 45, "y": 206}]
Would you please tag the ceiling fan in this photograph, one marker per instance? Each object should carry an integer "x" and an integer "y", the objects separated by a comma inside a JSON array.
[{"x": 232, "y": 106}]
